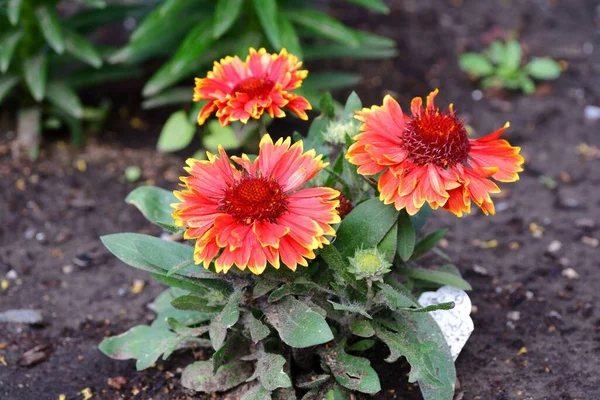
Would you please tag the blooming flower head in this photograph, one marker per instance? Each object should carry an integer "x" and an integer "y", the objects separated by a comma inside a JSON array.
[
  {"x": 239, "y": 90},
  {"x": 256, "y": 213},
  {"x": 428, "y": 157}
]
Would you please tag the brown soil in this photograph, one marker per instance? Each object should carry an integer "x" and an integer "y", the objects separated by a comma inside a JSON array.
[{"x": 54, "y": 210}]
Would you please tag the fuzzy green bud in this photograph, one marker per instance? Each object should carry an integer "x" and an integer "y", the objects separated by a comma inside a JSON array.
[
  {"x": 336, "y": 131},
  {"x": 369, "y": 264}
]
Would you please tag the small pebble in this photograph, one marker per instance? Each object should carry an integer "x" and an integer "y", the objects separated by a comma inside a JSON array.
[
  {"x": 40, "y": 237},
  {"x": 529, "y": 295},
  {"x": 29, "y": 233},
  {"x": 82, "y": 260},
  {"x": 514, "y": 315},
  {"x": 564, "y": 262},
  {"x": 554, "y": 314},
  {"x": 591, "y": 113},
  {"x": 588, "y": 48},
  {"x": 67, "y": 269},
  {"x": 478, "y": 269},
  {"x": 138, "y": 286},
  {"x": 554, "y": 246},
  {"x": 502, "y": 206},
  {"x": 570, "y": 274},
  {"x": 122, "y": 292},
  {"x": 12, "y": 275},
  {"x": 590, "y": 241},
  {"x": 477, "y": 95}
]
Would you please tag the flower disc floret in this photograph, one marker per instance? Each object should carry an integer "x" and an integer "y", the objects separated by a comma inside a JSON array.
[
  {"x": 239, "y": 90},
  {"x": 428, "y": 157},
  {"x": 258, "y": 213}
]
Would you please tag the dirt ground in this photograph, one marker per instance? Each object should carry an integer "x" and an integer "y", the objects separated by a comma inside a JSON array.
[{"x": 534, "y": 267}]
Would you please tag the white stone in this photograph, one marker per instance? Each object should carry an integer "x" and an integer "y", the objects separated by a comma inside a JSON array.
[
  {"x": 456, "y": 324},
  {"x": 570, "y": 273}
]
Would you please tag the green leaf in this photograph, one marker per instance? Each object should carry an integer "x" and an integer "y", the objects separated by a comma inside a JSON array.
[
  {"x": 389, "y": 244},
  {"x": 418, "y": 337},
  {"x": 420, "y": 219},
  {"x": 226, "y": 13},
  {"x": 158, "y": 256},
  {"x": 81, "y": 48},
  {"x": 365, "y": 226},
  {"x": 336, "y": 262},
  {"x": 8, "y": 44},
  {"x": 321, "y": 81},
  {"x": 144, "y": 343},
  {"x": 235, "y": 347},
  {"x": 299, "y": 288},
  {"x": 439, "y": 277},
  {"x": 14, "y": 11},
  {"x": 108, "y": 73},
  {"x": 543, "y": 68},
  {"x": 191, "y": 302},
  {"x": 527, "y": 85},
  {"x": 7, "y": 83},
  {"x": 298, "y": 325},
  {"x": 154, "y": 203},
  {"x": 177, "y": 133},
  {"x": 362, "y": 345},
  {"x": 257, "y": 392},
  {"x": 154, "y": 23},
  {"x": 326, "y": 105},
  {"x": 94, "y": 3},
  {"x": 216, "y": 135},
  {"x": 269, "y": 370},
  {"x": 224, "y": 320},
  {"x": 194, "y": 44},
  {"x": 62, "y": 96},
  {"x": 428, "y": 242},
  {"x": 178, "y": 95},
  {"x": 353, "y": 308},
  {"x": 258, "y": 330},
  {"x": 50, "y": 27},
  {"x": 162, "y": 306},
  {"x": 321, "y": 24},
  {"x": 267, "y": 13},
  {"x": 352, "y": 104},
  {"x": 354, "y": 373},
  {"x": 375, "y": 5},
  {"x": 496, "y": 52},
  {"x": 35, "y": 71},
  {"x": 476, "y": 64},
  {"x": 200, "y": 377},
  {"x": 289, "y": 37},
  {"x": 334, "y": 50},
  {"x": 406, "y": 236},
  {"x": 262, "y": 287},
  {"x": 512, "y": 55},
  {"x": 362, "y": 328},
  {"x": 113, "y": 13}
]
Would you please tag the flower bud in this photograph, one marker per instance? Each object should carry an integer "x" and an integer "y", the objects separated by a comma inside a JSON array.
[
  {"x": 369, "y": 264},
  {"x": 336, "y": 131}
]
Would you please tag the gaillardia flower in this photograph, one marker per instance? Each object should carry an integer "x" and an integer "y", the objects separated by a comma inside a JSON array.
[
  {"x": 259, "y": 213},
  {"x": 240, "y": 90},
  {"x": 428, "y": 157}
]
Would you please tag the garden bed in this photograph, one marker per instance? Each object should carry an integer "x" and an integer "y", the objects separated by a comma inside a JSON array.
[{"x": 536, "y": 331}]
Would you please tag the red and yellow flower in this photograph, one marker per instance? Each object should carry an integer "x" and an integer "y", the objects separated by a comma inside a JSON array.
[
  {"x": 257, "y": 213},
  {"x": 239, "y": 90},
  {"x": 428, "y": 157}
]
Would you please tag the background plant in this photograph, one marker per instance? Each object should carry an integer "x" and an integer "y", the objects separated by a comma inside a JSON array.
[
  {"x": 193, "y": 34},
  {"x": 500, "y": 66},
  {"x": 45, "y": 59},
  {"x": 332, "y": 312}
]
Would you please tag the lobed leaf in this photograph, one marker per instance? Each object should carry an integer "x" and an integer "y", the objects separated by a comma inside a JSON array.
[
  {"x": 269, "y": 370},
  {"x": 298, "y": 325},
  {"x": 354, "y": 373},
  {"x": 200, "y": 377}
]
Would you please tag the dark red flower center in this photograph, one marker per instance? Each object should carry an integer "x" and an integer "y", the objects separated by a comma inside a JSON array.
[
  {"x": 254, "y": 199},
  {"x": 255, "y": 87},
  {"x": 345, "y": 206},
  {"x": 435, "y": 137}
]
